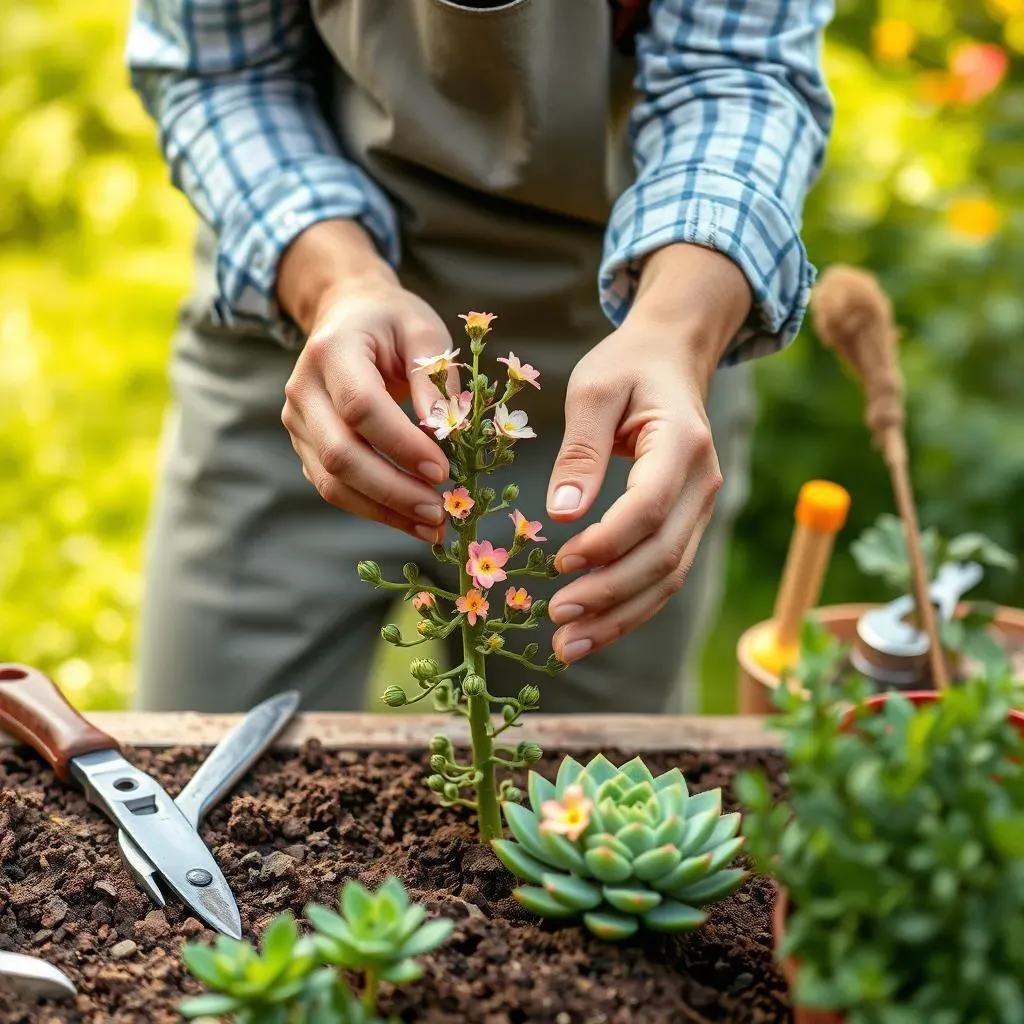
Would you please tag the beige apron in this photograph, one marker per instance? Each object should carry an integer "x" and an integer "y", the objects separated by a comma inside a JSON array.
[{"x": 500, "y": 136}]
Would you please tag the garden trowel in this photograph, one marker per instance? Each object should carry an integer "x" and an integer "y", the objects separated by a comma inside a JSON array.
[
  {"x": 35, "y": 711},
  {"x": 239, "y": 749}
]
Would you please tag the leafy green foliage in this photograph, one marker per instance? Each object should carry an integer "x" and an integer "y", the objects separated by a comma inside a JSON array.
[
  {"x": 643, "y": 849},
  {"x": 881, "y": 550},
  {"x": 901, "y": 845},
  {"x": 295, "y": 979}
]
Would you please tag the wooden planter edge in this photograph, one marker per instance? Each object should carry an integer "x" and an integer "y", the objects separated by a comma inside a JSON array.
[{"x": 355, "y": 731}]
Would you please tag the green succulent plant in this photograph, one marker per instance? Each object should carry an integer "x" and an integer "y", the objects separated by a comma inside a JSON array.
[
  {"x": 631, "y": 848},
  {"x": 378, "y": 933},
  {"x": 278, "y": 983}
]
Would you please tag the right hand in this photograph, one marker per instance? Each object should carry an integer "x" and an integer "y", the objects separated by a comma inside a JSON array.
[{"x": 358, "y": 447}]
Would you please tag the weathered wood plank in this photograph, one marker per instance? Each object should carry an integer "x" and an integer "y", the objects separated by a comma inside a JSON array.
[{"x": 349, "y": 731}]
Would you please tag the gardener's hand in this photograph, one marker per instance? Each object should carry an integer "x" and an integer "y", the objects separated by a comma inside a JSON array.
[
  {"x": 342, "y": 401},
  {"x": 641, "y": 394}
]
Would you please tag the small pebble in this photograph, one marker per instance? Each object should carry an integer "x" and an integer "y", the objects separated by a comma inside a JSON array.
[
  {"x": 153, "y": 926},
  {"x": 124, "y": 949},
  {"x": 253, "y": 859},
  {"x": 107, "y": 888},
  {"x": 277, "y": 865},
  {"x": 54, "y": 912}
]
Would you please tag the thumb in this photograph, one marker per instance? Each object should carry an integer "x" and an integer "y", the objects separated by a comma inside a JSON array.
[{"x": 591, "y": 422}]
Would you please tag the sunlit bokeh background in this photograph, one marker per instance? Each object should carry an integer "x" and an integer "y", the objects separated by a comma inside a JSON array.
[{"x": 925, "y": 185}]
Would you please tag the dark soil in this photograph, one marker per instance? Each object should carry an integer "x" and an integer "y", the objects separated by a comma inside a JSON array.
[{"x": 65, "y": 896}]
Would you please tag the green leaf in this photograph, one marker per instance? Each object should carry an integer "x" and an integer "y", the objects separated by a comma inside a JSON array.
[
  {"x": 637, "y": 772},
  {"x": 637, "y": 836},
  {"x": 610, "y": 927},
  {"x": 518, "y": 861},
  {"x": 976, "y": 547},
  {"x": 539, "y": 790},
  {"x": 724, "y": 852},
  {"x": 751, "y": 789},
  {"x": 592, "y": 842},
  {"x": 572, "y": 891},
  {"x": 671, "y": 830},
  {"x": 428, "y": 937},
  {"x": 568, "y": 772},
  {"x": 657, "y": 863},
  {"x": 674, "y": 917},
  {"x": 728, "y": 827},
  {"x": 279, "y": 939},
  {"x": 608, "y": 865},
  {"x": 402, "y": 973},
  {"x": 632, "y": 900},
  {"x": 563, "y": 854},
  {"x": 538, "y": 902},
  {"x": 712, "y": 888},
  {"x": 328, "y": 923},
  {"x": 699, "y": 803},
  {"x": 393, "y": 890},
  {"x": 202, "y": 963},
  {"x": 1008, "y": 835},
  {"x": 699, "y": 828},
  {"x": 210, "y": 1004},
  {"x": 674, "y": 802},
  {"x": 672, "y": 779},
  {"x": 685, "y": 873},
  {"x": 413, "y": 917},
  {"x": 600, "y": 769},
  {"x": 525, "y": 826}
]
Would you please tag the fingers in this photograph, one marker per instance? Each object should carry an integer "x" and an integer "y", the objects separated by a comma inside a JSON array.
[
  {"x": 350, "y": 474},
  {"x": 613, "y": 607},
  {"x": 361, "y": 401},
  {"x": 593, "y": 411},
  {"x": 669, "y": 455}
]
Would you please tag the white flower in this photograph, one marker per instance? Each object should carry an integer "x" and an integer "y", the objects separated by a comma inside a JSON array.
[
  {"x": 437, "y": 364},
  {"x": 449, "y": 414},
  {"x": 512, "y": 424}
]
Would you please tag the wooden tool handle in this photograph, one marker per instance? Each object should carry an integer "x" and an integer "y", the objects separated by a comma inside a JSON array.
[{"x": 33, "y": 710}]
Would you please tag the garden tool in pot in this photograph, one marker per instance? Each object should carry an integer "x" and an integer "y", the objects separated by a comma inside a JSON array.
[
  {"x": 893, "y": 652},
  {"x": 239, "y": 749},
  {"x": 33, "y": 710},
  {"x": 34, "y": 978}
]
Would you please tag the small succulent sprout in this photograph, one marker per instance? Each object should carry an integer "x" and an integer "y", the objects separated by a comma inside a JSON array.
[
  {"x": 380, "y": 933},
  {"x": 621, "y": 847}
]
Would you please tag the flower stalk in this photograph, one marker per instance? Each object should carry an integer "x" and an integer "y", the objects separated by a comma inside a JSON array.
[{"x": 478, "y": 433}]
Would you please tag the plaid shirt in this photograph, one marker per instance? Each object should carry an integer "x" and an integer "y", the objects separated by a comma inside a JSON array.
[{"x": 729, "y": 133}]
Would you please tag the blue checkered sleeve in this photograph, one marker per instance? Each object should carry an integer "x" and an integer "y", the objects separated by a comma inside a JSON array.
[
  {"x": 230, "y": 84},
  {"x": 729, "y": 133}
]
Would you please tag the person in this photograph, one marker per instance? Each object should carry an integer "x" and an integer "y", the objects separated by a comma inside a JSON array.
[{"x": 627, "y": 202}]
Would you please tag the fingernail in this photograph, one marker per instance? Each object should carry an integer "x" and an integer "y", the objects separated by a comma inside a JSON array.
[
  {"x": 576, "y": 649},
  {"x": 566, "y": 498},
  {"x": 563, "y": 613},
  {"x": 430, "y": 513},
  {"x": 433, "y": 472},
  {"x": 428, "y": 533},
  {"x": 571, "y": 563}
]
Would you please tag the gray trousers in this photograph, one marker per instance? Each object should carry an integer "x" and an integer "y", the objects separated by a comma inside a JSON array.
[{"x": 251, "y": 582}]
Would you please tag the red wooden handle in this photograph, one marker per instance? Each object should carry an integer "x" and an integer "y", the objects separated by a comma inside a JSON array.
[{"x": 33, "y": 710}]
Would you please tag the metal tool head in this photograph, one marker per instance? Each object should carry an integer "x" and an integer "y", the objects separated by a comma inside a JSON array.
[
  {"x": 892, "y": 651},
  {"x": 139, "y": 805},
  {"x": 33, "y": 977},
  {"x": 237, "y": 751}
]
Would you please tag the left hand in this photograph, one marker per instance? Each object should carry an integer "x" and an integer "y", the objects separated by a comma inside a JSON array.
[{"x": 641, "y": 394}]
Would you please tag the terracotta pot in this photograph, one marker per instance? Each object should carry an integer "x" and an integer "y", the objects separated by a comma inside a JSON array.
[
  {"x": 755, "y": 683},
  {"x": 790, "y": 966},
  {"x": 780, "y": 912}
]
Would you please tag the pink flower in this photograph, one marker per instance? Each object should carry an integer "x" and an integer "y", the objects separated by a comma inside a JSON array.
[
  {"x": 449, "y": 414},
  {"x": 423, "y": 600},
  {"x": 478, "y": 324},
  {"x": 458, "y": 504},
  {"x": 485, "y": 564},
  {"x": 473, "y": 605},
  {"x": 512, "y": 424},
  {"x": 437, "y": 364},
  {"x": 525, "y": 529},
  {"x": 518, "y": 600},
  {"x": 519, "y": 373},
  {"x": 569, "y": 816}
]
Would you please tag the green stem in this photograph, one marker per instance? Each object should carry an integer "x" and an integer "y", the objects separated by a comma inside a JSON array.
[
  {"x": 436, "y": 591},
  {"x": 370, "y": 995},
  {"x": 488, "y": 811}
]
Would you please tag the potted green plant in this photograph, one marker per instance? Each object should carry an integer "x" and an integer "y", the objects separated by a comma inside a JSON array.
[{"x": 899, "y": 847}]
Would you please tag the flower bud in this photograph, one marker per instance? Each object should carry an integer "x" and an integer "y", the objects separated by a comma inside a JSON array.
[
  {"x": 510, "y": 494},
  {"x": 411, "y": 571},
  {"x": 554, "y": 665},
  {"x": 473, "y": 686},
  {"x": 424, "y": 668},
  {"x": 369, "y": 572},
  {"x": 394, "y": 697},
  {"x": 435, "y": 783},
  {"x": 493, "y": 642},
  {"x": 508, "y": 712},
  {"x": 513, "y": 795},
  {"x": 441, "y": 745},
  {"x": 451, "y": 791},
  {"x": 529, "y": 752},
  {"x": 426, "y": 628},
  {"x": 438, "y": 762},
  {"x": 486, "y": 496},
  {"x": 539, "y": 608},
  {"x": 439, "y": 552},
  {"x": 535, "y": 559},
  {"x": 391, "y": 634},
  {"x": 530, "y": 650},
  {"x": 529, "y": 695}
]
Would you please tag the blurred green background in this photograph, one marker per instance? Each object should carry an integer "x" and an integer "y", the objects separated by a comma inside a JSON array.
[{"x": 924, "y": 184}]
